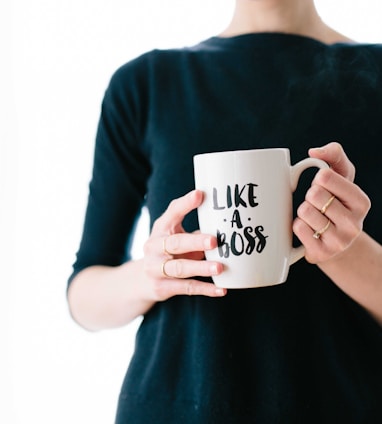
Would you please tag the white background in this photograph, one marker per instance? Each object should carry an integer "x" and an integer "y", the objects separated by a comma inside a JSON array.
[{"x": 56, "y": 60}]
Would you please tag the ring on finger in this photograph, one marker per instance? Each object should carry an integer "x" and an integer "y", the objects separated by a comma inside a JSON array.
[
  {"x": 319, "y": 233},
  {"x": 163, "y": 268},
  {"x": 327, "y": 204}
]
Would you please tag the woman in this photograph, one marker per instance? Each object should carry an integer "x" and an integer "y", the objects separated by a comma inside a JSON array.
[{"x": 308, "y": 350}]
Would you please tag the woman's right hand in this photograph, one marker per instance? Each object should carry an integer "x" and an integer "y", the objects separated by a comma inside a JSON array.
[
  {"x": 112, "y": 296},
  {"x": 173, "y": 257}
]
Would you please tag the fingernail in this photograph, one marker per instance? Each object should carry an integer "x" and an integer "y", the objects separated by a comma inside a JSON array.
[
  {"x": 214, "y": 269},
  {"x": 318, "y": 149},
  {"x": 219, "y": 292},
  {"x": 208, "y": 243}
]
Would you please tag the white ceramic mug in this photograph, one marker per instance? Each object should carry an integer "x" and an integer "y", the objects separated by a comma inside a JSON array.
[{"x": 248, "y": 207}]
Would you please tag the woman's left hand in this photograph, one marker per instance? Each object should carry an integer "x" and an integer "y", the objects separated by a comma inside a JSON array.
[{"x": 327, "y": 225}]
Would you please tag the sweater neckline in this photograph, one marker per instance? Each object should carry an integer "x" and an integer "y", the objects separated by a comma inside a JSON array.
[{"x": 269, "y": 39}]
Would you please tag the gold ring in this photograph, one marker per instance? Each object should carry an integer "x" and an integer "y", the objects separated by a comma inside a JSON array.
[
  {"x": 319, "y": 233},
  {"x": 327, "y": 204},
  {"x": 165, "y": 251},
  {"x": 163, "y": 268}
]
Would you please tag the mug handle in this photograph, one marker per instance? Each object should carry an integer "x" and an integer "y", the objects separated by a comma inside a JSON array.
[{"x": 295, "y": 172}]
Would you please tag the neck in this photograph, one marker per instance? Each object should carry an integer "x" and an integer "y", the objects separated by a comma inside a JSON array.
[{"x": 288, "y": 16}]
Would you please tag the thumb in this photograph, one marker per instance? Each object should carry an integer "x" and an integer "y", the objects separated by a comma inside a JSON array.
[{"x": 333, "y": 154}]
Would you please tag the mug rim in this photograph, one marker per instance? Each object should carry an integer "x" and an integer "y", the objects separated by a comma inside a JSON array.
[{"x": 245, "y": 151}]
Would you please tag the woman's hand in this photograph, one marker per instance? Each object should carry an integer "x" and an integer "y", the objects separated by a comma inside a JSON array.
[
  {"x": 173, "y": 257},
  {"x": 112, "y": 296},
  {"x": 327, "y": 226}
]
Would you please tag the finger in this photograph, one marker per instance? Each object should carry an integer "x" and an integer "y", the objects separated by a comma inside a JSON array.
[
  {"x": 346, "y": 192},
  {"x": 334, "y": 155},
  {"x": 177, "y": 210},
  {"x": 316, "y": 250},
  {"x": 318, "y": 222},
  {"x": 185, "y": 268},
  {"x": 180, "y": 243},
  {"x": 170, "y": 288},
  {"x": 195, "y": 288},
  {"x": 321, "y": 236},
  {"x": 324, "y": 201},
  {"x": 333, "y": 241}
]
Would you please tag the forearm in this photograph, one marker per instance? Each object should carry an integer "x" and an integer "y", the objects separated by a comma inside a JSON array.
[
  {"x": 358, "y": 272},
  {"x": 103, "y": 297}
]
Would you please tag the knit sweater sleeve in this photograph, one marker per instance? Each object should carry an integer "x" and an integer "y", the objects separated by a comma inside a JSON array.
[{"x": 120, "y": 171}]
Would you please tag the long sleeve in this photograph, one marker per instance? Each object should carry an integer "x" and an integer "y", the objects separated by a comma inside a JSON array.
[{"x": 120, "y": 172}]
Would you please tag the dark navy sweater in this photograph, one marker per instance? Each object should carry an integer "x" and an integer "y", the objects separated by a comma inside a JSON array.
[{"x": 300, "y": 352}]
